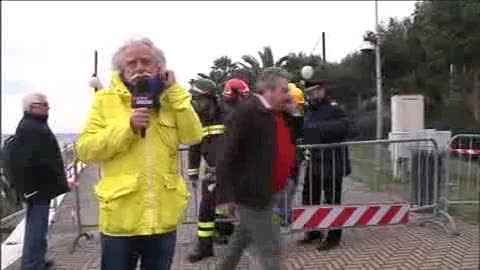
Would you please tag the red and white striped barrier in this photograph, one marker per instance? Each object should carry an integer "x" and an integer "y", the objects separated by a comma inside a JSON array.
[
  {"x": 341, "y": 216},
  {"x": 462, "y": 151}
]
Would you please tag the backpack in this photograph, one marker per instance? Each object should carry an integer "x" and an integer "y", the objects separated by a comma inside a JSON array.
[{"x": 8, "y": 151}]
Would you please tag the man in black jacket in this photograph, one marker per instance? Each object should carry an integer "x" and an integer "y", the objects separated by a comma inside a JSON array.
[
  {"x": 325, "y": 122},
  {"x": 257, "y": 156},
  {"x": 39, "y": 174}
]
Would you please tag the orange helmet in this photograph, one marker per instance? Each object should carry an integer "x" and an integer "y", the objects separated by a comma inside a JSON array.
[
  {"x": 234, "y": 87},
  {"x": 296, "y": 93}
]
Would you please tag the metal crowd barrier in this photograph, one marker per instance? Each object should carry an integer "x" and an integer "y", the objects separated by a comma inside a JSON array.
[
  {"x": 373, "y": 191},
  {"x": 191, "y": 214},
  {"x": 78, "y": 167},
  {"x": 68, "y": 156},
  {"x": 462, "y": 188},
  {"x": 354, "y": 184},
  {"x": 73, "y": 170}
]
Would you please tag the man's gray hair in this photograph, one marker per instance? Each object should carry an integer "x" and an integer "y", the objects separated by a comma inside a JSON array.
[
  {"x": 118, "y": 56},
  {"x": 268, "y": 78},
  {"x": 31, "y": 98}
]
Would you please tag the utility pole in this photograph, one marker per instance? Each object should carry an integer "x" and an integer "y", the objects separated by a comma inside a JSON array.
[
  {"x": 324, "y": 56},
  {"x": 450, "y": 80},
  {"x": 378, "y": 71},
  {"x": 378, "y": 75}
]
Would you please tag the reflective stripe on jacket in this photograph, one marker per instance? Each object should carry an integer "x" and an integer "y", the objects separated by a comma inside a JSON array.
[
  {"x": 141, "y": 191},
  {"x": 213, "y": 130}
]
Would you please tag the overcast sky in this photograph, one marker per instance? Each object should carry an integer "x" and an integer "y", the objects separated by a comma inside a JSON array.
[{"x": 48, "y": 46}]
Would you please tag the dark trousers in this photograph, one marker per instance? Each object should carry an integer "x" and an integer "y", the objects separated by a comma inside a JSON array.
[
  {"x": 154, "y": 251},
  {"x": 35, "y": 240},
  {"x": 312, "y": 192},
  {"x": 207, "y": 213}
]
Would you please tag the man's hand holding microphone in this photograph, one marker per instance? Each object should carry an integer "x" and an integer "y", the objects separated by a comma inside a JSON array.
[
  {"x": 140, "y": 119},
  {"x": 143, "y": 105}
]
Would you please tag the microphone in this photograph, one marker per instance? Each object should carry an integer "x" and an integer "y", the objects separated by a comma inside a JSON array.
[{"x": 142, "y": 98}]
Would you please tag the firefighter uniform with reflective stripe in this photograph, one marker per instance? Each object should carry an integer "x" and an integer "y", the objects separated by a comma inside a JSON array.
[
  {"x": 206, "y": 149},
  {"x": 211, "y": 115}
]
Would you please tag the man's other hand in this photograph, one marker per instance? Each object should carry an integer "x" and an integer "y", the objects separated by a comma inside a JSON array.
[
  {"x": 227, "y": 209},
  {"x": 169, "y": 78}
]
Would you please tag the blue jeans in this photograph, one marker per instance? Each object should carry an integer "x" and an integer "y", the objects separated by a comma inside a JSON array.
[
  {"x": 154, "y": 251},
  {"x": 35, "y": 239}
]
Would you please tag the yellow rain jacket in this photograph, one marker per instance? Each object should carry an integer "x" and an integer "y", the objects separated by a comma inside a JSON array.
[{"x": 141, "y": 191}]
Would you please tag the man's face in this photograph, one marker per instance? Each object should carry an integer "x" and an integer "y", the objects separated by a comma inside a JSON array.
[
  {"x": 319, "y": 93},
  {"x": 235, "y": 99},
  {"x": 242, "y": 97},
  {"x": 140, "y": 63},
  {"x": 290, "y": 105},
  {"x": 238, "y": 96},
  {"x": 200, "y": 103},
  {"x": 40, "y": 107},
  {"x": 278, "y": 96}
]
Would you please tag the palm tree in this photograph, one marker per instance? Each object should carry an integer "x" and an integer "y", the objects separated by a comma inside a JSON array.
[
  {"x": 224, "y": 64},
  {"x": 266, "y": 60},
  {"x": 223, "y": 68}
]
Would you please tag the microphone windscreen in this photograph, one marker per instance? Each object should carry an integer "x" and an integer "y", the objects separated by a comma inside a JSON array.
[{"x": 143, "y": 86}]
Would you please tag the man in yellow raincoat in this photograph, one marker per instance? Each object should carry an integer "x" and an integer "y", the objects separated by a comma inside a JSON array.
[{"x": 141, "y": 194}]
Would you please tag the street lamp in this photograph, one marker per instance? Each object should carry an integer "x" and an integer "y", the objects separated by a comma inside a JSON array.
[
  {"x": 372, "y": 42},
  {"x": 367, "y": 47},
  {"x": 307, "y": 72},
  {"x": 378, "y": 75}
]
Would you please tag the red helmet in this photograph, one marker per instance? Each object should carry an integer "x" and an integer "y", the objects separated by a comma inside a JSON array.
[{"x": 234, "y": 87}]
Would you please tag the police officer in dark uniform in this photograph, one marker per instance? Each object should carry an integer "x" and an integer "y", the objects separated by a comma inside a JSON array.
[
  {"x": 212, "y": 112},
  {"x": 325, "y": 122}
]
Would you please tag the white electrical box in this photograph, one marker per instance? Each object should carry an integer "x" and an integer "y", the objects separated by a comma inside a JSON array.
[{"x": 408, "y": 113}]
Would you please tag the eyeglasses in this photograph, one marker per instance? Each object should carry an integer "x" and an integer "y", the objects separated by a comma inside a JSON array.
[{"x": 43, "y": 104}]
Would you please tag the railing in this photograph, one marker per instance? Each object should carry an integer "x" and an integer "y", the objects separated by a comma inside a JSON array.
[
  {"x": 373, "y": 196},
  {"x": 355, "y": 184},
  {"x": 462, "y": 188},
  {"x": 78, "y": 167}
]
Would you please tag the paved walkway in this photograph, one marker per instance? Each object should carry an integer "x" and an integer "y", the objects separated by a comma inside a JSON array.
[{"x": 399, "y": 247}]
